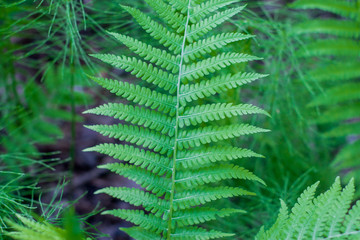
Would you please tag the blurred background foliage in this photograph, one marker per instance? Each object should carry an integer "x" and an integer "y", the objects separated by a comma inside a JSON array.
[{"x": 312, "y": 94}]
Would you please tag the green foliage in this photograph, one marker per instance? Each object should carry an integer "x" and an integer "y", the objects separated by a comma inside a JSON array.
[
  {"x": 43, "y": 230},
  {"x": 35, "y": 120},
  {"x": 339, "y": 75},
  {"x": 324, "y": 217},
  {"x": 178, "y": 159},
  {"x": 11, "y": 202}
]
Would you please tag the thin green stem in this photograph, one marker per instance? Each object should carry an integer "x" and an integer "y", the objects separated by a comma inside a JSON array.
[{"x": 173, "y": 182}]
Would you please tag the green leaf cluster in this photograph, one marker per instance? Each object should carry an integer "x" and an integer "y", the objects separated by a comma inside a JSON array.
[
  {"x": 339, "y": 75},
  {"x": 330, "y": 215},
  {"x": 171, "y": 144}
]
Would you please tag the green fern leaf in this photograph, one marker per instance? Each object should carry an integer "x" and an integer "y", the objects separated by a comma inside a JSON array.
[
  {"x": 195, "y": 216},
  {"x": 209, "y": 155},
  {"x": 343, "y": 8},
  {"x": 149, "y": 53},
  {"x": 338, "y": 94},
  {"x": 340, "y": 97},
  {"x": 138, "y": 198},
  {"x": 192, "y": 92},
  {"x": 338, "y": 28},
  {"x": 165, "y": 150},
  {"x": 339, "y": 113},
  {"x": 156, "y": 30},
  {"x": 330, "y": 47},
  {"x": 204, "y": 26},
  {"x": 199, "y": 196},
  {"x": 347, "y": 157},
  {"x": 139, "y": 157},
  {"x": 139, "y": 136},
  {"x": 323, "y": 217},
  {"x": 140, "y": 69},
  {"x": 210, "y": 65},
  {"x": 140, "y": 233},
  {"x": 170, "y": 16},
  {"x": 147, "y": 180},
  {"x": 200, "y": 136},
  {"x": 344, "y": 130},
  {"x": 211, "y": 112},
  {"x": 191, "y": 233},
  {"x": 135, "y": 115},
  {"x": 140, "y": 218},
  {"x": 180, "y": 5},
  {"x": 339, "y": 72},
  {"x": 203, "y": 176},
  {"x": 203, "y": 46},
  {"x": 140, "y": 95},
  {"x": 207, "y": 7}
]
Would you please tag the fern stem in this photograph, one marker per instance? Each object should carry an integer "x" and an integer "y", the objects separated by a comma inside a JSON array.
[{"x": 173, "y": 180}]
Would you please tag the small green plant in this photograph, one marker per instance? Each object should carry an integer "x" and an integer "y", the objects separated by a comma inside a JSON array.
[
  {"x": 324, "y": 217},
  {"x": 174, "y": 150},
  {"x": 337, "y": 72},
  {"x": 43, "y": 230}
]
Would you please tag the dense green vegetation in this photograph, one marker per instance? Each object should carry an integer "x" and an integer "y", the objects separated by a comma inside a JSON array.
[{"x": 176, "y": 96}]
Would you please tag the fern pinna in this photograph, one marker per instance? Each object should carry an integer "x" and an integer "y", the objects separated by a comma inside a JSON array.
[
  {"x": 174, "y": 147},
  {"x": 340, "y": 74},
  {"x": 326, "y": 216}
]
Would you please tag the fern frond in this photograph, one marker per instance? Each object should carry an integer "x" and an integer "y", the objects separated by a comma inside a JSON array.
[
  {"x": 156, "y": 30},
  {"x": 330, "y": 47},
  {"x": 343, "y": 8},
  {"x": 344, "y": 130},
  {"x": 195, "y": 216},
  {"x": 145, "y": 179},
  {"x": 298, "y": 215},
  {"x": 337, "y": 94},
  {"x": 140, "y": 218},
  {"x": 193, "y": 92},
  {"x": 139, "y": 136},
  {"x": 140, "y": 95},
  {"x": 344, "y": 28},
  {"x": 212, "y": 43},
  {"x": 210, "y": 65},
  {"x": 202, "y": 157},
  {"x": 339, "y": 113},
  {"x": 179, "y": 157},
  {"x": 211, "y": 112},
  {"x": 43, "y": 230},
  {"x": 191, "y": 233},
  {"x": 139, "y": 157},
  {"x": 174, "y": 19},
  {"x": 199, "y": 196},
  {"x": 138, "y": 198},
  {"x": 323, "y": 217},
  {"x": 140, "y": 69},
  {"x": 179, "y": 5},
  {"x": 191, "y": 179},
  {"x": 339, "y": 72},
  {"x": 135, "y": 115},
  {"x": 339, "y": 100},
  {"x": 347, "y": 157},
  {"x": 204, "y": 26},
  {"x": 274, "y": 233},
  {"x": 150, "y": 53},
  {"x": 140, "y": 233},
  {"x": 208, "y": 7},
  {"x": 200, "y": 136}
]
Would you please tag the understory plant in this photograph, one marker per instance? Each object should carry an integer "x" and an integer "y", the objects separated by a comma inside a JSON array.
[
  {"x": 330, "y": 215},
  {"x": 171, "y": 144},
  {"x": 333, "y": 41}
]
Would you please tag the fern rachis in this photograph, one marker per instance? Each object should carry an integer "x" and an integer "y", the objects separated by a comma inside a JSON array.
[{"x": 169, "y": 152}]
